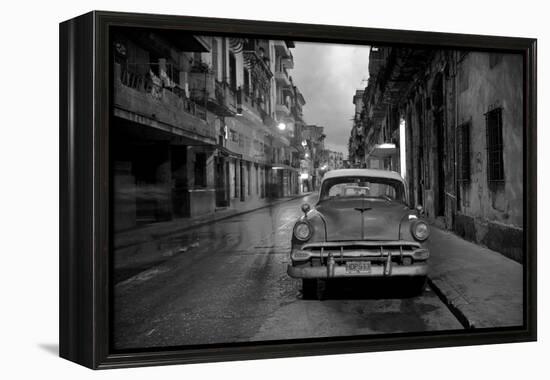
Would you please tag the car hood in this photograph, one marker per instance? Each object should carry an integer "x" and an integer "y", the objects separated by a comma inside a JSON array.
[{"x": 367, "y": 219}]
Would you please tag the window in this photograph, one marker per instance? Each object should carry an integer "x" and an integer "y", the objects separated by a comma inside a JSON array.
[
  {"x": 241, "y": 139},
  {"x": 232, "y": 72},
  {"x": 495, "y": 165},
  {"x": 236, "y": 179},
  {"x": 257, "y": 170},
  {"x": 249, "y": 179},
  {"x": 246, "y": 84},
  {"x": 464, "y": 152},
  {"x": 494, "y": 59},
  {"x": 215, "y": 57},
  {"x": 154, "y": 63},
  {"x": 200, "y": 170}
]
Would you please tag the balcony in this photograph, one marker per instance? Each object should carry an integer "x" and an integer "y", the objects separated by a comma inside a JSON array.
[
  {"x": 281, "y": 76},
  {"x": 281, "y": 47},
  {"x": 282, "y": 111},
  {"x": 289, "y": 62},
  {"x": 215, "y": 96},
  {"x": 145, "y": 100},
  {"x": 267, "y": 119},
  {"x": 254, "y": 108}
]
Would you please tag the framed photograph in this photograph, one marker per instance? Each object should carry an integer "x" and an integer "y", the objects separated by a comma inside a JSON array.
[{"x": 234, "y": 189}]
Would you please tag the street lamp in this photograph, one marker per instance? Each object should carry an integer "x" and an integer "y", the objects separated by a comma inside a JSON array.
[{"x": 281, "y": 126}]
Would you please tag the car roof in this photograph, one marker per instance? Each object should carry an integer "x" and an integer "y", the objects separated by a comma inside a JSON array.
[{"x": 377, "y": 173}]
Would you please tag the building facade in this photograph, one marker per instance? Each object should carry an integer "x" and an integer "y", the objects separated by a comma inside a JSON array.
[
  {"x": 200, "y": 124},
  {"x": 315, "y": 158},
  {"x": 451, "y": 123},
  {"x": 335, "y": 160},
  {"x": 356, "y": 146}
]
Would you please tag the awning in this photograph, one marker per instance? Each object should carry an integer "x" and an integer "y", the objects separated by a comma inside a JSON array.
[
  {"x": 223, "y": 151},
  {"x": 383, "y": 150}
]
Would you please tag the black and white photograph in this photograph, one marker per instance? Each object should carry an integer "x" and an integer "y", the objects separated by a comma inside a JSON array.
[
  {"x": 278, "y": 190},
  {"x": 252, "y": 190}
]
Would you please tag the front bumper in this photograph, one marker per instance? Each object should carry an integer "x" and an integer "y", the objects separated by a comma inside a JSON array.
[
  {"x": 387, "y": 259},
  {"x": 339, "y": 271}
]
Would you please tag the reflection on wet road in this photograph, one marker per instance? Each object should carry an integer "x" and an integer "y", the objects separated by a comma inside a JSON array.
[{"x": 227, "y": 282}]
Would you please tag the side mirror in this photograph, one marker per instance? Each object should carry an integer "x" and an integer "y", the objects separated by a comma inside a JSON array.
[
  {"x": 419, "y": 210},
  {"x": 305, "y": 208}
]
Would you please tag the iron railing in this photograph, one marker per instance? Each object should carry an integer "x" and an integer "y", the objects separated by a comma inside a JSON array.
[{"x": 154, "y": 86}]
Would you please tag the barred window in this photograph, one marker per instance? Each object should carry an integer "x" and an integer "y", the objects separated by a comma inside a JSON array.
[
  {"x": 495, "y": 164},
  {"x": 464, "y": 152}
]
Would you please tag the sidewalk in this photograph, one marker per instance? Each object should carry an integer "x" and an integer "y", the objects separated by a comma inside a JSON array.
[
  {"x": 143, "y": 234},
  {"x": 141, "y": 248},
  {"x": 484, "y": 287}
]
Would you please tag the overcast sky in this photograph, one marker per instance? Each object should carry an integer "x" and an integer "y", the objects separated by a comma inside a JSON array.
[{"x": 328, "y": 76}]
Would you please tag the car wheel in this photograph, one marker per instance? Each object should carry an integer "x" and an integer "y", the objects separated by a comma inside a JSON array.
[
  {"x": 417, "y": 285},
  {"x": 309, "y": 288},
  {"x": 321, "y": 288}
]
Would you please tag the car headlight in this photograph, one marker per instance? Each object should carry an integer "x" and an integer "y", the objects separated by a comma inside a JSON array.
[
  {"x": 420, "y": 230},
  {"x": 302, "y": 231}
]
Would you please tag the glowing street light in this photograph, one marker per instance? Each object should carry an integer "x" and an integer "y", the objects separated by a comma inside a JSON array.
[
  {"x": 304, "y": 143},
  {"x": 281, "y": 126}
]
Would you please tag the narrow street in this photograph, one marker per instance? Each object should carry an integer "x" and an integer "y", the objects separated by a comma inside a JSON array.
[{"x": 227, "y": 282}]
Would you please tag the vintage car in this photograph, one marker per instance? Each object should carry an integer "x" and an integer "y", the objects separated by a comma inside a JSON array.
[{"x": 361, "y": 226}]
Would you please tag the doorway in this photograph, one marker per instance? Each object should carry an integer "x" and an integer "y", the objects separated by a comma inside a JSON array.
[
  {"x": 440, "y": 163},
  {"x": 222, "y": 199}
]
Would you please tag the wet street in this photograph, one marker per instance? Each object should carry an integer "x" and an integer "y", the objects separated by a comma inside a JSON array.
[{"x": 227, "y": 282}]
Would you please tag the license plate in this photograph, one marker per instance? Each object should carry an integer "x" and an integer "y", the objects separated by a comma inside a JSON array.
[{"x": 358, "y": 267}]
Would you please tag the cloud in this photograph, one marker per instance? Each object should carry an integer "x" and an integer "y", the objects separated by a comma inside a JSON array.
[{"x": 328, "y": 76}]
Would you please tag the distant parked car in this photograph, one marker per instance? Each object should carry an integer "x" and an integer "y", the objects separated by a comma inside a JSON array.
[{"x": 361, "y": 226}]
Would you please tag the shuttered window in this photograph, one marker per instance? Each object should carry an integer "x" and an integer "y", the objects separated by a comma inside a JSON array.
[
  {"x": 464, "y": 152},
  {"x": 495, "y": 164}
]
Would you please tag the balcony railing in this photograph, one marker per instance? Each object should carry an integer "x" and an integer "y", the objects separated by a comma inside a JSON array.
[
  {"x": 148, "y": 100},
  {"x": 216, "y": 96},
  {"x": 153, "y": 85},
  {"x": 281, "y": 76},
  {"x": 282, "y": 110}
]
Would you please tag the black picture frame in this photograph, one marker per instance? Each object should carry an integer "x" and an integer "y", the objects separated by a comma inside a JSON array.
[{"x": 85, "y": 235}]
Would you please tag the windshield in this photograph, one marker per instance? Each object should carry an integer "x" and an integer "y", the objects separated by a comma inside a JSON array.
[{"x": 362, "y": 187}]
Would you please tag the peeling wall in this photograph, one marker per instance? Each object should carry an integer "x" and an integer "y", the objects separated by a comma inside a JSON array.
[
  {"x": 454, "y": 88},
  {"x": 486, "y": 88}
]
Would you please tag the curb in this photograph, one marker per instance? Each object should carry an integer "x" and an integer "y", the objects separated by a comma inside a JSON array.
[
  {"x": 452, "y": 306},
  {"x": 201, "y": 224}
]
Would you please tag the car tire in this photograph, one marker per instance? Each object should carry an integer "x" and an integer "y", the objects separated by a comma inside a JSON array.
[
  {"x": 313, "y": 289},
  {"x": 321, "y": 289},
  {"x": 309, "y": 288},
  {"x": 417, "y": 285}
]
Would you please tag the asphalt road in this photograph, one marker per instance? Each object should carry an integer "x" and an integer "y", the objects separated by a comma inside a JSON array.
[{"x": 227, "y": 282}]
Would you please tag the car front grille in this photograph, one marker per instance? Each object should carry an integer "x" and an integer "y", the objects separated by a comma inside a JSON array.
[{"x": 375, "y": 252}]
